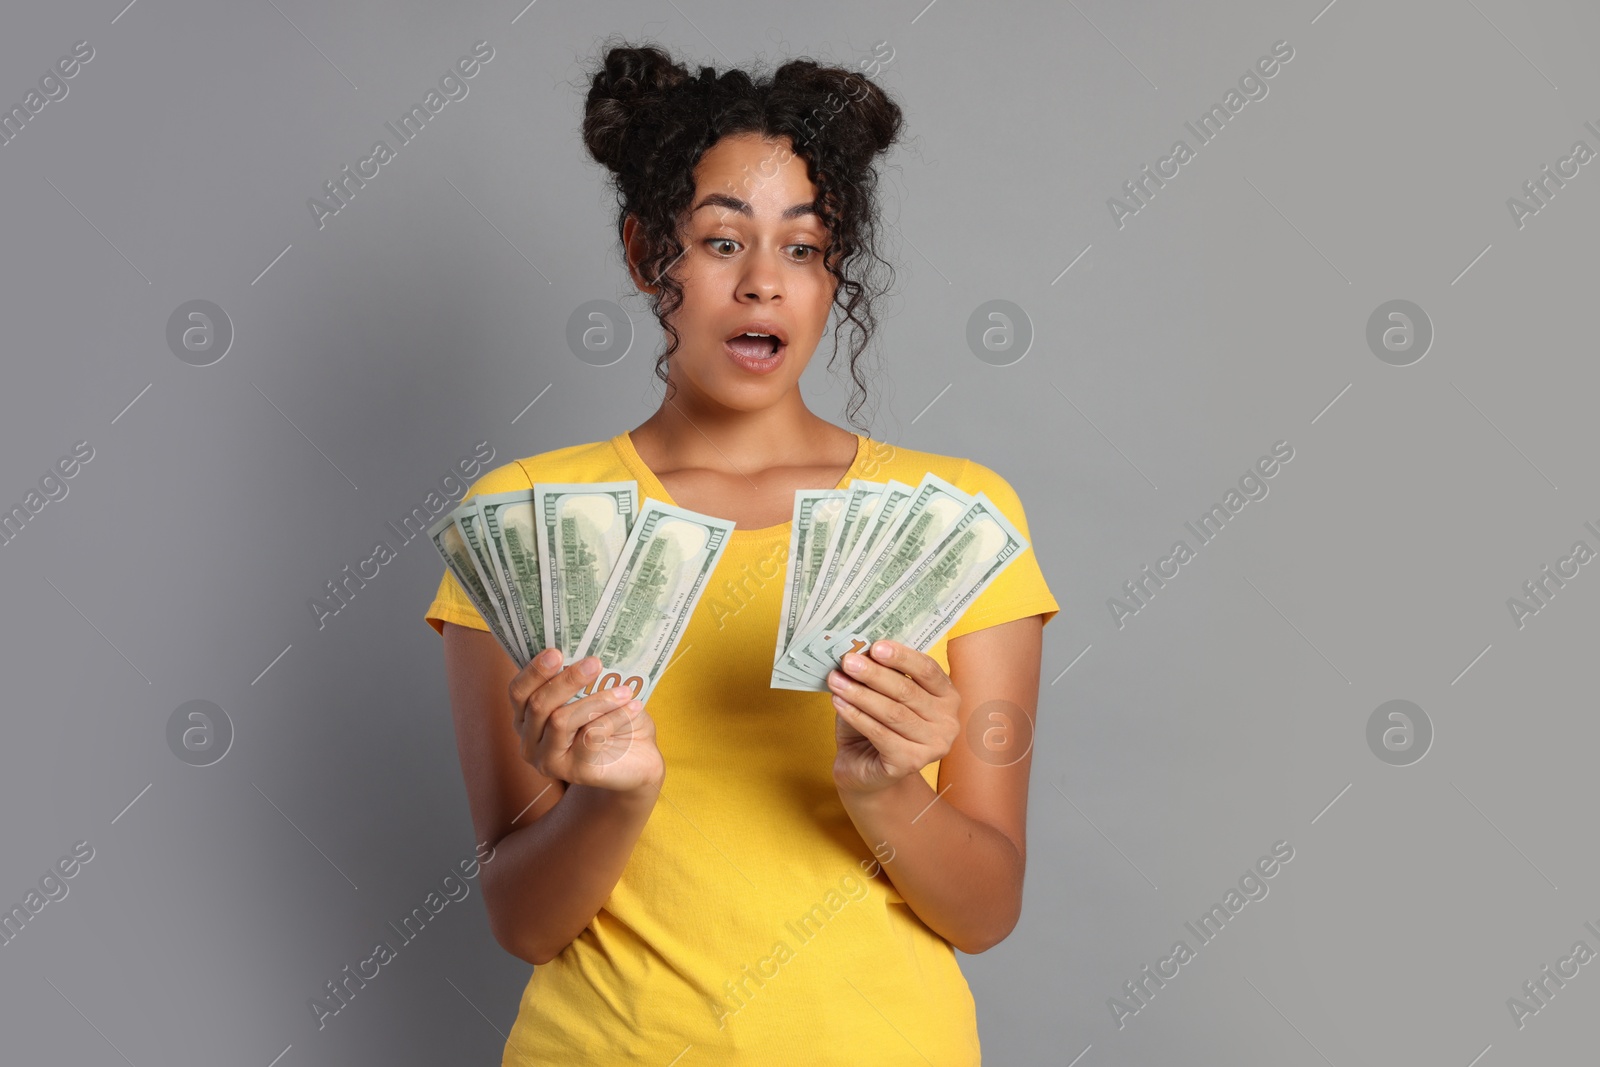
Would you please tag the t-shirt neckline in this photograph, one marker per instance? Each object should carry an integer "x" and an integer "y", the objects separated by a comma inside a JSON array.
[{"x": 623, "y": 444}]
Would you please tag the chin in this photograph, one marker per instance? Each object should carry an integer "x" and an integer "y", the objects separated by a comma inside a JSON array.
[{"x": 725, "y": 383}]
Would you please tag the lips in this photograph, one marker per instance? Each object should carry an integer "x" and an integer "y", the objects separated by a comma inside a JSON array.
[
  {"x": 755, "y": 355},
  {"x": 753, "y": 347},
  {"x": 772, "y": 337}
]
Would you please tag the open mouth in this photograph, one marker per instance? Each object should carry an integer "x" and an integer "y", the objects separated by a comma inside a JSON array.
[{"x": 755, "y": 345}]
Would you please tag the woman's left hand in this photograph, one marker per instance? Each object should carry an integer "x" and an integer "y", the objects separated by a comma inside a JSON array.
[{"x": 895, "y": 713}]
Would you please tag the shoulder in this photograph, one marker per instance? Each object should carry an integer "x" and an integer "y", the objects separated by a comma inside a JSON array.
[
  {"x": 909, "y": 464},
  {"x": 977, "y": 478},
  {"x": 886, "y": 460},
  {"x": 592, "y": 461}
]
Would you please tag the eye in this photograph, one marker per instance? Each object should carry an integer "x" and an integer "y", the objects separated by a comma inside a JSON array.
[{"x": 714, "y": 242}]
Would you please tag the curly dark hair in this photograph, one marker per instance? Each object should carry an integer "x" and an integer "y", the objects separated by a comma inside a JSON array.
[{"x": 648, "y": 121}]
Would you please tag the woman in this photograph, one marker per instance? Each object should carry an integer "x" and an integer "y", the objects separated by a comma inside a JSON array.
[{"x": 740, "y": 873}]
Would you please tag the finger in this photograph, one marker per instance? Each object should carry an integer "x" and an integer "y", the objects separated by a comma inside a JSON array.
[
  {"x": 884, "y": 679},
  {"x": 528, "y": 682},
  {"x": 564, "y": 723},
  {"x": 559, "y": 689},
  {"x": 843, "y": 730},
  {"x": 923, "y": 668},
  {"x": 884, "y": 709},
  {"x": 534, "y": 674},
  {"x": 550, "y": 694},
  {"x": 885, "y": 740},
  {"x": 597, "y": 733}
]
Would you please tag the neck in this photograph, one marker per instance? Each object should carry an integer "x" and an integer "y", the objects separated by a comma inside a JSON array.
[{"x": 683, "y": 434}]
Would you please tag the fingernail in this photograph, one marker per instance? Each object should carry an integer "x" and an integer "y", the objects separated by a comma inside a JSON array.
[
  {"x": 852, "y": 662},
  {"x": 549, "y": 658},
  {"x": 590, "y": 668}
]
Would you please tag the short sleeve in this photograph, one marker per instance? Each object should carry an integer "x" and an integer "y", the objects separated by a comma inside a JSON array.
[
  {"x": 450, "y": 602},
  {"x": 1019, "y": 590}
]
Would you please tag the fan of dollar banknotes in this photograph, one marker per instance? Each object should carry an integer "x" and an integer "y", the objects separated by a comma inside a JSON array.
[{"x": 584, "y": 568}]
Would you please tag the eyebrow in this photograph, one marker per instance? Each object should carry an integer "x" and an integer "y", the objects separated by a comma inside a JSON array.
[{"x": 733, "y": 203}]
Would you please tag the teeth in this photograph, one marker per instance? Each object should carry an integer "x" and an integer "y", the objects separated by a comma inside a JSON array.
[{"x": 776, "y": 344}]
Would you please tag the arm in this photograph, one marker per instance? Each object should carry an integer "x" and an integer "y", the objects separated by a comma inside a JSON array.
[
  {"x": 957, "y": 860},
  {"x": 559, "y": 847}
]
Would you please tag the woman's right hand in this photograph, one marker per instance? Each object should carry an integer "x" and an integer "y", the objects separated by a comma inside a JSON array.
[{"x": 604, "y": 739}]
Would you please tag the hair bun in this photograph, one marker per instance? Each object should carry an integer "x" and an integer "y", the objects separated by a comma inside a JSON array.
[
  {"x": 879, "y": 117},
  {"x": 629, "y": 80}
]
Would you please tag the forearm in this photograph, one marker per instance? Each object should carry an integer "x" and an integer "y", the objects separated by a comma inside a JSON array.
[
  {"x": 960, "y": 875},
  {"x": 550, "y": 877}
]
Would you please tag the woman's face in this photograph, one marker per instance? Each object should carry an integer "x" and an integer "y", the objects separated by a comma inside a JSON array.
[{"x": 752, "y": 259}]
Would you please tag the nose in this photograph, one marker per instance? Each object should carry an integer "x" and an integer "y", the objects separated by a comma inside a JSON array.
[{"x": 762, "y": 280}]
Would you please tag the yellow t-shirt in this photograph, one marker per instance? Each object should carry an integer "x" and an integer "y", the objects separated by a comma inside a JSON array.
[{"x": 752, "y": 924}]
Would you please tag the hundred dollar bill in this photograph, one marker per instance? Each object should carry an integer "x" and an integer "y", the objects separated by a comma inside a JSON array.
[
  {"x": 931, "y": 596},
  {"x": 447, "y": 539},
  {"x": 646, "y": 605},
  {"x": 826, "y": 586},
  {"x": 469, "y": 520},
  {"x": 880, "y": 514},
  {"x": 816, "y": 512},
  {"x": 932, "y": 510},
  {"x": 782, "y": 679},
  {"x": 581, "y": 528},
  {"x": 859, "y": 500},
  {"x": 513, "y": 549}
]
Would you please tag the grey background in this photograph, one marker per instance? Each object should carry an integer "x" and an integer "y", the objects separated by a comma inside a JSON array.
[{"x": 1228, "y": 314}]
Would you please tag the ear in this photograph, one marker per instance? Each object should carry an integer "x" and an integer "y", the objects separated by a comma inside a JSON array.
[{"x": 634, "y": 247}]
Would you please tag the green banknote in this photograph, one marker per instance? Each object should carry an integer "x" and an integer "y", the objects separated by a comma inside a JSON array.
[
  {"x": 508, "y": 529},
  {"x": 933, "y": 508},
  {"x": 932, "y": 595},
  {"x": 447, "y": 539},
  {"x": 647, "y": 602},
  {"x": 581, "y": 528}
]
